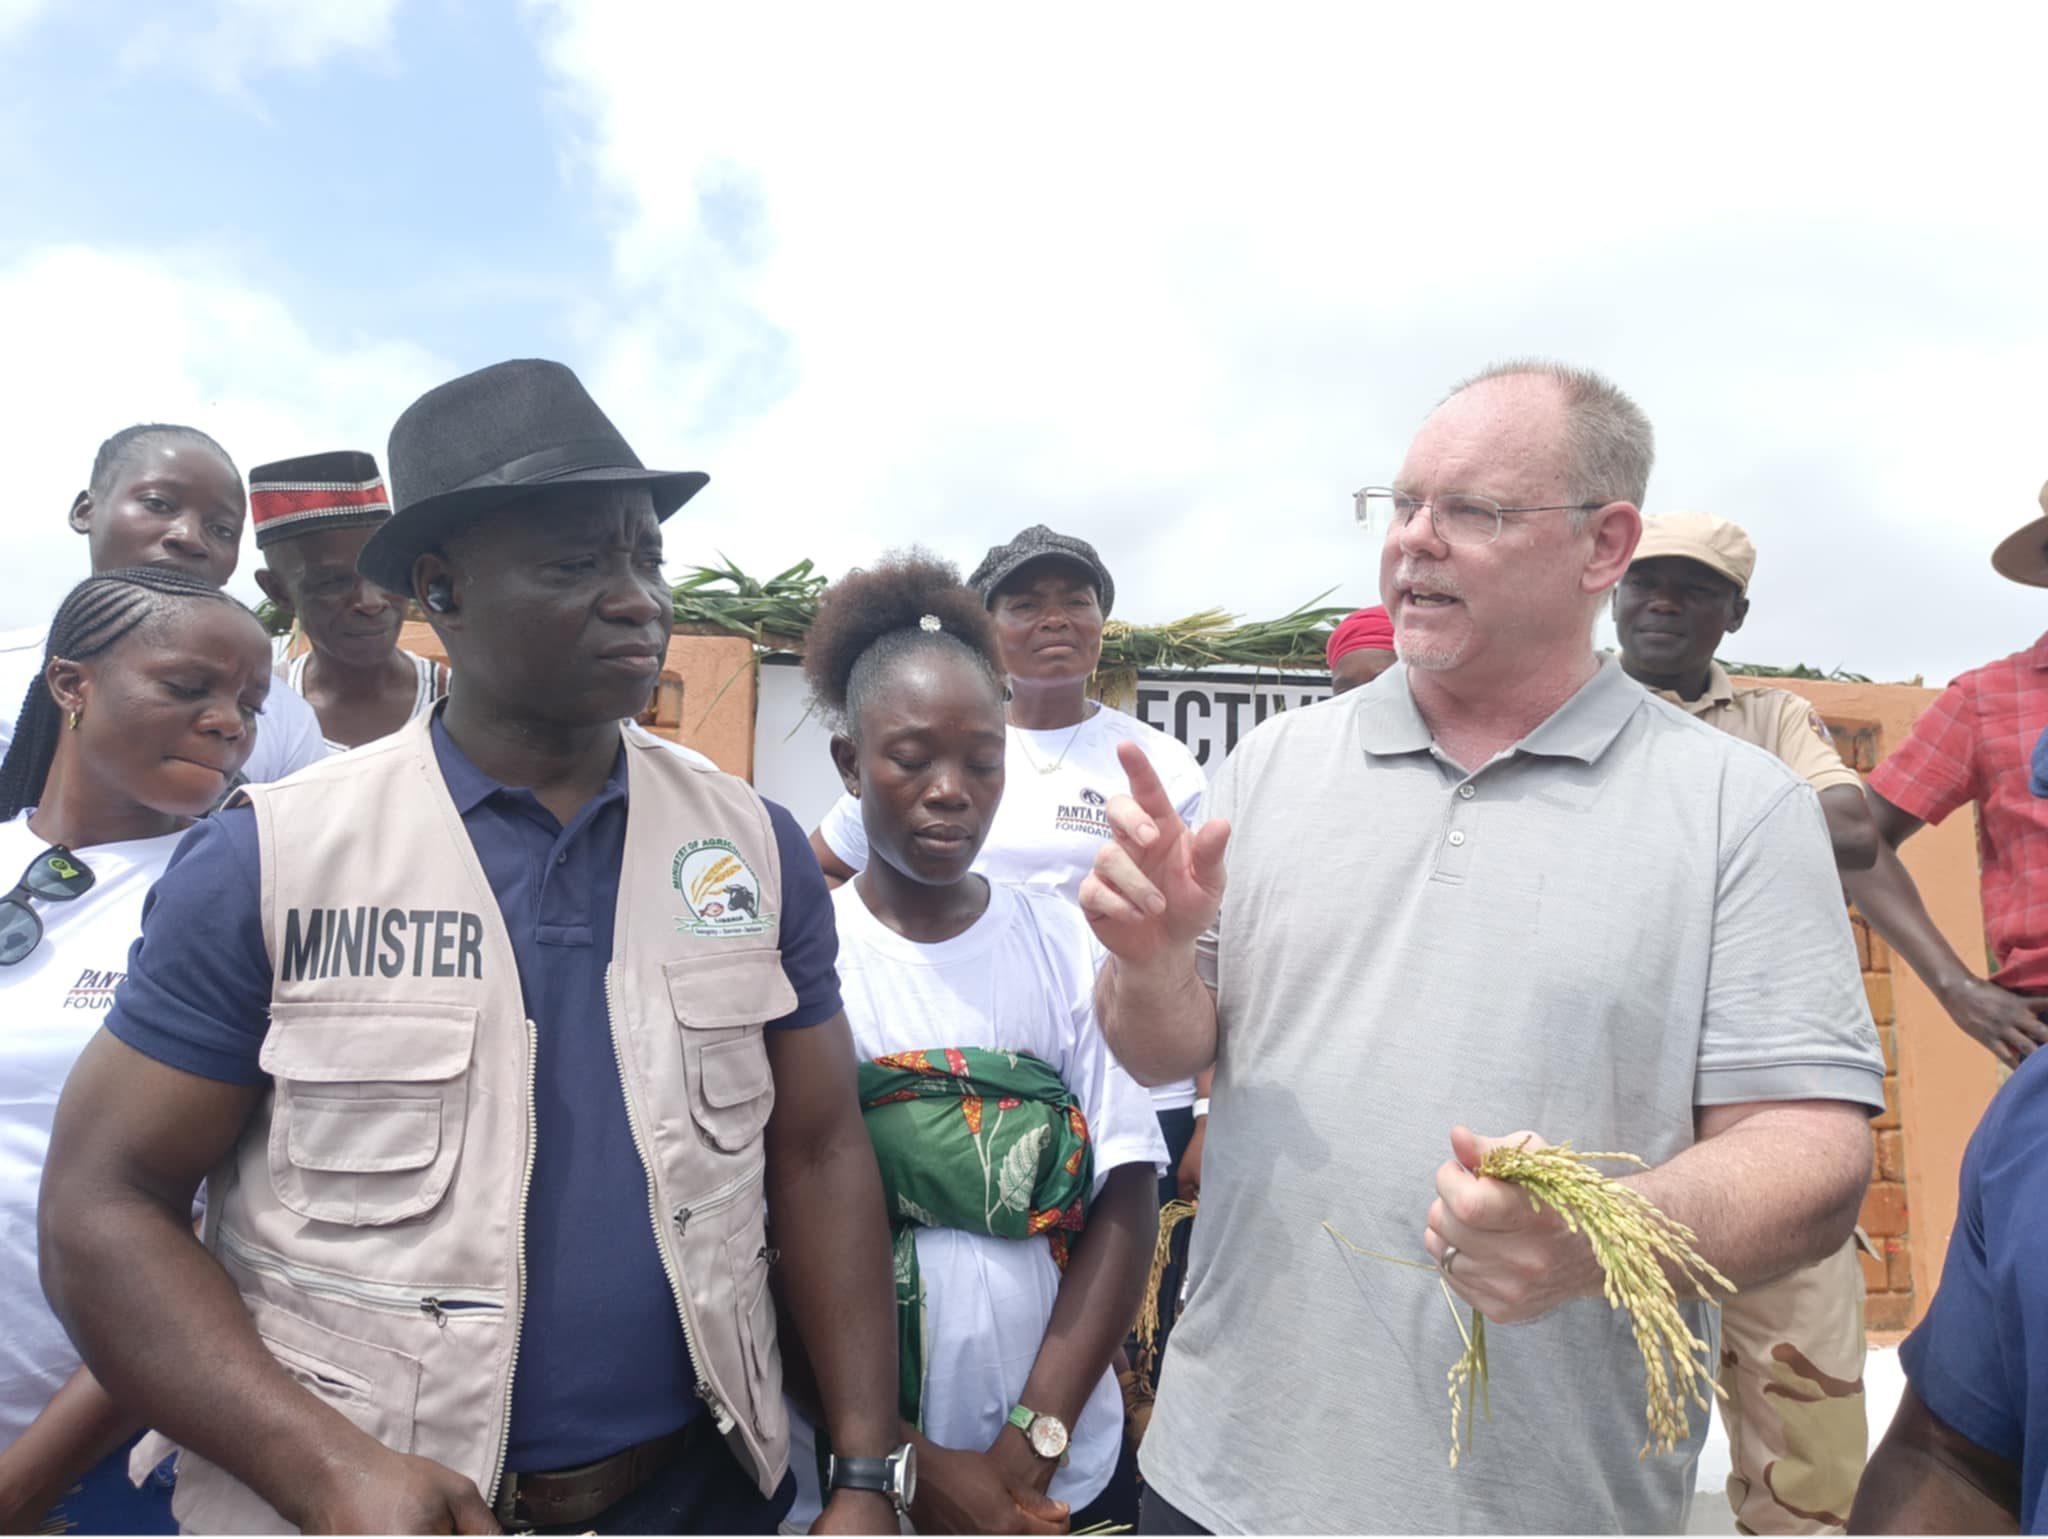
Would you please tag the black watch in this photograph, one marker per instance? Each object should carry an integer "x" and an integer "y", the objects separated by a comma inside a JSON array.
[{"x": 894, "y": 1477}]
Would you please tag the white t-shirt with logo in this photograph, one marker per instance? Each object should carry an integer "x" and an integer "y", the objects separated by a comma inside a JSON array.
[
  {"x": 287, "y": 733},
  {"x": 1052, "y": 819},
  {"x": 1021, "y": 978},
  {"x": 51, "y": 1003}
]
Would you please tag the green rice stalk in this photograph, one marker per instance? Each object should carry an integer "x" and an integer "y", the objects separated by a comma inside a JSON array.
[{"x": 1796, "y": 671}]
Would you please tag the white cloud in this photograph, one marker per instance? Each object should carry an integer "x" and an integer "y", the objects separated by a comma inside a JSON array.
[
  {"x": 1181, "y": 282},
  {"x": 16, "y": 16},
  {"x": 243, "y": 39},
  {"x": 119, "y": 337}
]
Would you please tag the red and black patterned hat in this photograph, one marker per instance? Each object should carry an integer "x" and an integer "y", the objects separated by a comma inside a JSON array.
[{"x": 316, "y": 491}]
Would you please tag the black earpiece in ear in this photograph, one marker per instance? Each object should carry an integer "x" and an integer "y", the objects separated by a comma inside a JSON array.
[{"x": 441, "y": 596}]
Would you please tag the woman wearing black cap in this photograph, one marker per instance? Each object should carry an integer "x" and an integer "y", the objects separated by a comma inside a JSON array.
[
  {"x": 1049, "y": 595},
  {"x": 144, "y": 711}
]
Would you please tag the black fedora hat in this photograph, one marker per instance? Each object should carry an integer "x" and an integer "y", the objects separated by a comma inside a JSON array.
[{"x": 491, "y": 440}]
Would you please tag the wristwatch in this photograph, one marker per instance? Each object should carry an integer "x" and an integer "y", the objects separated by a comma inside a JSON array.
[
  {"x": 1047, "y": 1435},
  {"x": 895, "y": 1476}
]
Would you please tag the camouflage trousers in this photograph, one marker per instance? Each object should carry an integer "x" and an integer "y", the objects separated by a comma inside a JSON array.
[{"x": 1792, "y": 1372}]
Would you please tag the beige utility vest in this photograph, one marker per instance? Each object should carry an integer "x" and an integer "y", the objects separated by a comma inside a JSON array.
[{"x": 373, "y": 1215}]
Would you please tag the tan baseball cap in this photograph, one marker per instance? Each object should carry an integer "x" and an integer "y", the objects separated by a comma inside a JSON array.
[
  {"x": 2023, "y": 555},
  {"x": 1712, "y": 542}
]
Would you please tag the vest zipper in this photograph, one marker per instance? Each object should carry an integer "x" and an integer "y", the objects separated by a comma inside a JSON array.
[
  {"x": 720, "y": 1199},
  {"x": 723, "y": 1417},
  {"x": 437, "y": 1305},
  {"x": 519, "y": 1256}
]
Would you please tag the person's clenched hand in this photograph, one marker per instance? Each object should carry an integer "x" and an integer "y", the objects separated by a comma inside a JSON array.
[{"x": 1514, "y": 1261}]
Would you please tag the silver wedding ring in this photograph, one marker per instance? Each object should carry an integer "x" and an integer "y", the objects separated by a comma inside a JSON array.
[{"x": 1444, "y": 1263}]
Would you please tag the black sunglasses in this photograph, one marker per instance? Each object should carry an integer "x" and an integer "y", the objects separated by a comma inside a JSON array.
[{"x": 55, "y": 876}]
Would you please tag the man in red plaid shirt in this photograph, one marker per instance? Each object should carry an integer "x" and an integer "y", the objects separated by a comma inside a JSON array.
[{"x": 1975, "y": 744}]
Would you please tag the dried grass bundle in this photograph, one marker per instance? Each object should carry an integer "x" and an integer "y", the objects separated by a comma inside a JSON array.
[{"x": 1171, "y": 1217}]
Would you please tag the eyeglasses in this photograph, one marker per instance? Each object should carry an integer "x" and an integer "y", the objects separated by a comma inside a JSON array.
[
  {"x": 1458, "y": 518},
  {"x": 55, "y": 876}
]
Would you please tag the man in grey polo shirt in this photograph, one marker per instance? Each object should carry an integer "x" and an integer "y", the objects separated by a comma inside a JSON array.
[{"x": 1499, "y": 889}]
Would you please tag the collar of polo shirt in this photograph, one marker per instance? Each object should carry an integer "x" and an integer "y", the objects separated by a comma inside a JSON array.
[{"x": 1583, "y": 728}]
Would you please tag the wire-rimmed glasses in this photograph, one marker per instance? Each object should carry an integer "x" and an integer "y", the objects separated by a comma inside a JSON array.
[{"x": 1459, "y": 518}]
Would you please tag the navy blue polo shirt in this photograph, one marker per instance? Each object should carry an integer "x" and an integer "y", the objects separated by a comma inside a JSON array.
[
  {"x": 602, "y": 1363},
  {"x": 1979, "y": 1360}
]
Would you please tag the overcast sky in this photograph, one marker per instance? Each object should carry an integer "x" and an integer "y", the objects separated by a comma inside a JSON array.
[{"x": 1175, "y": 278}]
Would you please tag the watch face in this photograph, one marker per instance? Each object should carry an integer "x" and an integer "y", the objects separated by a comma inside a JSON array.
[
  {"x": 906, "y": 1477},
  {"x": 1048, "y": 1437}
]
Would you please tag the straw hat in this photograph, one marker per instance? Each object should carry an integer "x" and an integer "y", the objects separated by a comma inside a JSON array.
[{"x": 2022, "y": 555}]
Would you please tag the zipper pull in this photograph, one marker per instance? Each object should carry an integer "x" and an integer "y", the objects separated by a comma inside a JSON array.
[
  {"x": 431, "y": 1308},
  {"x": 720, "y": 1416},
  {"x": 681, "y": 1217}
]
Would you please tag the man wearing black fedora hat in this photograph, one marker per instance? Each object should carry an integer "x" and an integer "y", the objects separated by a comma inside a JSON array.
[{"x": 490, "y": 1039}]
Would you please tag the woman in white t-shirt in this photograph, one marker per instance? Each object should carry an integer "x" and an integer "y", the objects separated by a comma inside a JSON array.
[
  {"x": 1049, "y": 595},
  {"x": 1015, "y": 1396},
  {"x": 162, "y": 494},
  {"x": 144, "y": 712}
]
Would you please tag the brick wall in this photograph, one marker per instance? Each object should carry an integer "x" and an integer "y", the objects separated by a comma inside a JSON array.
[{"x": 1887, "y": 1276}]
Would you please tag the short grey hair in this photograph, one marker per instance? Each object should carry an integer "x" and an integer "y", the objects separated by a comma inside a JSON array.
[{"x": 1612, "y": 443}]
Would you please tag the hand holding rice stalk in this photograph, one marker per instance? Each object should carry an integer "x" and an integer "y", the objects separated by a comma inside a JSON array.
[{"x": 1632, "y": 1240}]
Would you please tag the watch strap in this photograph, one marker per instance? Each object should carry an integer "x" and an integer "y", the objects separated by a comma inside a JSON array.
[{"x": 859, "y": 1475}]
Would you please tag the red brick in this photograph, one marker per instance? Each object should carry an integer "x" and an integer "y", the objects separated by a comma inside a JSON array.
[
  {"x": 1890, "y": 1118},
  {"x": 1884, "y": 1210},
  {"x": 1898, "y": 1263},
  {"x": 1888, "y": 1040},
  {"x": 1876, "y": 1276},
  {"x": 1891, "y": 1155},
  {"x": 1861, "y": 931},
  {"x": 1887, "y": 1311},
  {"x": 1877, "y": 987},
  {"x": 1880, "y": 955}
]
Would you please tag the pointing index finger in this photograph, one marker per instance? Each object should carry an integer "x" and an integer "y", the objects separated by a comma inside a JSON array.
[{"x": 1146, "y": 788}]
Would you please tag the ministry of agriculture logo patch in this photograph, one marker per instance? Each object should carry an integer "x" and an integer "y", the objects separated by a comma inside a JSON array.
[{"x": 720, "y": 892}]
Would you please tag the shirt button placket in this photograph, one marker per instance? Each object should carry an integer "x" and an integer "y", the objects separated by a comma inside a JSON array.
[{"x": 1454, "y": 858}]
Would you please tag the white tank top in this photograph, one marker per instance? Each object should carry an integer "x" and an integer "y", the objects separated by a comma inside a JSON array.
[{"x": 432, "y": 683}]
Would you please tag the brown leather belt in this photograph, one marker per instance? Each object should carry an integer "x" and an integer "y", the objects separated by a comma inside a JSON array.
[{"x": 556, "y": 1497}]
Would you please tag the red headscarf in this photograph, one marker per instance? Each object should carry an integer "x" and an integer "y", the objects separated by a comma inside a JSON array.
[{"x": 1367, "y": 628}]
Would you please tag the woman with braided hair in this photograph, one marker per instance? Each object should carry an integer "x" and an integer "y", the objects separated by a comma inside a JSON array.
[{"x": 143, "y": 714}]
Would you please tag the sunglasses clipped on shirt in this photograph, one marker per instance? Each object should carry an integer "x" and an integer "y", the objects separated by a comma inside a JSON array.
[{"x": 55, "y": 876}]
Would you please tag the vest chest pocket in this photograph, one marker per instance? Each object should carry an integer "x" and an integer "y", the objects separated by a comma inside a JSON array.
[
  {"x": 720, "y": 1002},
  {"x": 367, "y": 1120}
]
